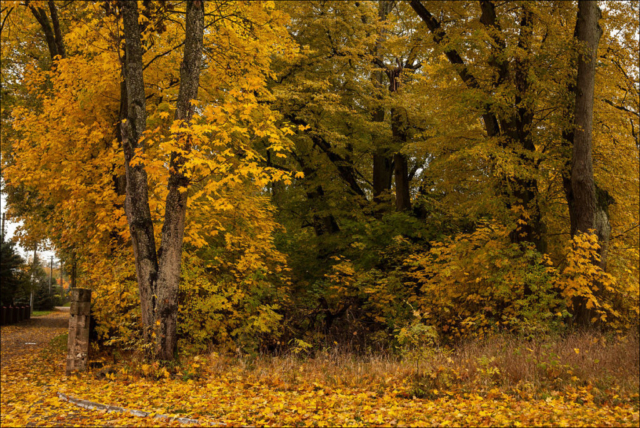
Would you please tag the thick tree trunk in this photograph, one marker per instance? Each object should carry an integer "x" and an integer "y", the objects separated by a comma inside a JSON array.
[
  {"x": 382, "y": 162},
  {"x": 519, "y": 130},
  {"x": 133, "y": 124},
  {"x": 399, "y": 127},
  {"x": 401, "y": 174},
  {"x": 176, "y": 204},
  {"x": 589, "y": 207},
  {"x": 382, "y": 174},
  {"x": 582, "y": 181}
]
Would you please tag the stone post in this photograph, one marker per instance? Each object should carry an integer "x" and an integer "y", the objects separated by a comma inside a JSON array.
[{"x": 78, "y": 345}]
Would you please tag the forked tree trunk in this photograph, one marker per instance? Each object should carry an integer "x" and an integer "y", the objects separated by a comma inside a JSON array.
[{"x": 158, "y": 274}]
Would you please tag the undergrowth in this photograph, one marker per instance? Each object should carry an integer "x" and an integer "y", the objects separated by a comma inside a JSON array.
[{"x": 607, "y": 366}]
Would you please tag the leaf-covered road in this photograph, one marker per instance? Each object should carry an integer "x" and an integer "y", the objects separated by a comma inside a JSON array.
[
  {"x": 27, "y": 337},
  {"x": 32, "y": 373}
]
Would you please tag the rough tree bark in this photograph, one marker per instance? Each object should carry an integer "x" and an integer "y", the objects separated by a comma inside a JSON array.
[
  {"x": 158, "y": 274},
  {"x": 170, "y": 253},
  {"x": 588, "y": 205},
  {"x": 570, "y": 136},
  {"x": 583, "y": 186},
  {"x": 133, "y": 124}
]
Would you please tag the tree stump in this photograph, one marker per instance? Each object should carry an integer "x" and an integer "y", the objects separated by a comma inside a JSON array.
[{"x": 78, "y": 344}]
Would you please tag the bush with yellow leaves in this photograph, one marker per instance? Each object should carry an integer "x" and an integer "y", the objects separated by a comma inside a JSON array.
[{"x": 480, "y": 282}]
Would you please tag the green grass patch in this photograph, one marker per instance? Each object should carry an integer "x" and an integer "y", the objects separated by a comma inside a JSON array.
[
  {"x": 40, "y": 313},
  {"x": 66, "y": 305}
]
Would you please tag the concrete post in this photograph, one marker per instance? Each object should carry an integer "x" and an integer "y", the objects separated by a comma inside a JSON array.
[{"x": 78, "y": 345}]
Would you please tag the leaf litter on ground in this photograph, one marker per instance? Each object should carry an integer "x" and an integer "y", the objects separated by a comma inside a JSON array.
[{"x": 238, "y": 396}]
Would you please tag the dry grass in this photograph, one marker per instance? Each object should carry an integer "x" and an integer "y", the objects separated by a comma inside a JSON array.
[{"x": 609, "y": 364}]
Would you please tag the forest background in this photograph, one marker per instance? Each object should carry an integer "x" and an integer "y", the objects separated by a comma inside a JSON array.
[{"x": 253, "y": 177}]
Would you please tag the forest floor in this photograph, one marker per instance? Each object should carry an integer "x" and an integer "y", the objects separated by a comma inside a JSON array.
[{"x": 583, "y": 380}]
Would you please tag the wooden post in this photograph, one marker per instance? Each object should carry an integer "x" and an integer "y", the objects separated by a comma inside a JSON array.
[{"x": 78, "y": 345}]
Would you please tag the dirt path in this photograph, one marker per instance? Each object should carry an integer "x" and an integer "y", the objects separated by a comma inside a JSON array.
[{"x": 31, "y": 335}]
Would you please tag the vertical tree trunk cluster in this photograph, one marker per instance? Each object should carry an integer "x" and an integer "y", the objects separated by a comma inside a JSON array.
[
  {"x": 158, "y": 273},
  {"x": 512, "y": 129},
  {"x": 588, "y": 205},
  {"x": 50, "y": 28}
]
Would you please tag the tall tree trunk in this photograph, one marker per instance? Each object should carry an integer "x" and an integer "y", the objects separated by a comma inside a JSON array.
[
  {"x": 382, "y": 163},
  {"x": 382, "y": 159},
  {"x": 399, "y": 127},
  {"x": 520, "y": 130},
  {"x": 133, "y": 124},
  {"x": 176, "y": 205},
  {"x": 588, "y": 212},
  {"x": 583, "y": 186}
]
